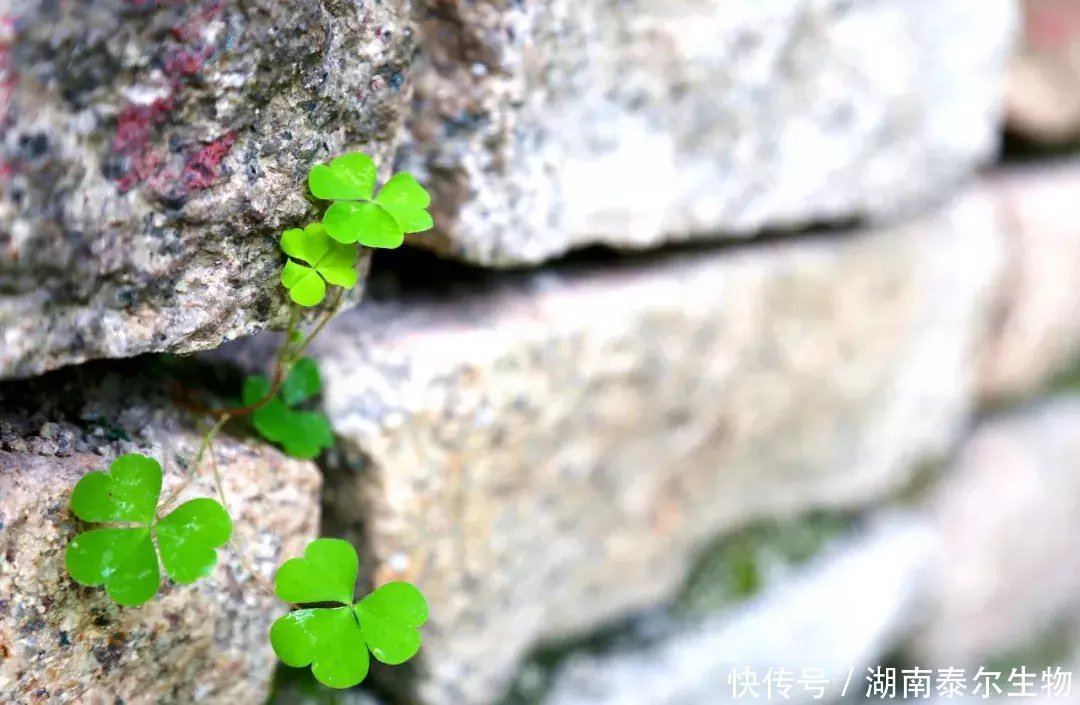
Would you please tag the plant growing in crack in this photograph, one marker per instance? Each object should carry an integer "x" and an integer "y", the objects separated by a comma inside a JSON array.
[{"x": 138, "y": 535}]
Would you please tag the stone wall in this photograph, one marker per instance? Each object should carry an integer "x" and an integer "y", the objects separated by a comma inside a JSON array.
[{"x": 767, "y": 278}]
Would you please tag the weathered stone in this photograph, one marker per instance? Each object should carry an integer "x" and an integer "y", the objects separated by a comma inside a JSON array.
[
  {"x": 837, "y": 618},
  {"x": 206, "y": 642},
  {"x": 1037, "y": 329},
  {"x": 550, "y": 453},
  {"x": 1042, "y": 98},
  {"x": 1008, "y": 514},
  {"x": 544, "y": 127},
  {"x": 145, "y": 177}
]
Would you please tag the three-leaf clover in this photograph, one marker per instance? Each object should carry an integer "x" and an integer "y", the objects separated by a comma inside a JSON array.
[
  {"x": 382, "y": 221},
  {"x": 123, "y": 558},
  {"x": 302, "y": 434},
  {"x": 326, "y": 260},
  {"x": 335, "y": 641}
]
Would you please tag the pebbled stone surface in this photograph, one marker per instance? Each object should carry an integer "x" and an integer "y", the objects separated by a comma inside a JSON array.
[
  {"x": 544, "y": 127},
  {"x": 206, "y": 642},
  {"x": 145, "y": 178},
  {"x": 550, "y": 451}
]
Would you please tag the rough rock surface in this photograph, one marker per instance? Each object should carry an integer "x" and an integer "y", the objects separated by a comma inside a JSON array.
[
  {"x": 1037, "y": 331},
  {"x": 1008, "y": 514},
  {"x": 1042, "y": 98},
  {"x": 842, "y": 613},
  {"x": 63, "y": 643},
  {"x": 144, "y": 179},
  {"x": 548, "y": 126},
  {"x": 551, "y": 452}
]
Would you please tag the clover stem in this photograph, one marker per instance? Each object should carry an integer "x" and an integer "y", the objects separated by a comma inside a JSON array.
[
  {"x": 242, "y": 559},
  {"x": 284, "y": 360},
  {"x": 330, "y": 313},
  {"x": 283, "y": 353},
  {"x": 207, "y": 439},
  {"x": 208, "y": 447}
]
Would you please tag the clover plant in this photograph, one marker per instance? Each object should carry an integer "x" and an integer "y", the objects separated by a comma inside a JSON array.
[
  {"x": 137, "y": 536},
  {"x": 122, "y": 557},
  {"x": 357, "y": 215},
  {"x": 335, "y": 640},
  {"x": 303, "y": 434}
]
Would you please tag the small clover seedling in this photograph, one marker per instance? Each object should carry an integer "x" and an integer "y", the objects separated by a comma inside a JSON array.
[
  {"x": 329, "y": 260},
  {"x": 335, "y": 641},
  {"x": 303, "y": 434},
  {"x": 382, "y": 221},
  {"x": 123, "y": 558}
]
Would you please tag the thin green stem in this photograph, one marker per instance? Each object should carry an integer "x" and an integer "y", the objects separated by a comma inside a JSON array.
[
  {"x": 207, "y": 440},
  {"x": 330, "y": 313},
  {"x": 286, "y": 357},
  {"x": 240, "y": 557}
]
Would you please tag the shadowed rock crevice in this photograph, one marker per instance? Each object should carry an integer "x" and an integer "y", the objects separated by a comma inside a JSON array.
[{"x": 411, "y": 273}]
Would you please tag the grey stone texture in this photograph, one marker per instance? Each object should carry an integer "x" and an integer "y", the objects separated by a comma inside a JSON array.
[
  {"x": 544, "y": 127},
  {"x": 552, "y": 451},
  {"x": 152, "y": 152},
  {"x": 206, "y": 642},
  {"x": 843, "y": 612},
  {"x": 1008, "y": 513},
  {"x": 1036, "y": 334}
]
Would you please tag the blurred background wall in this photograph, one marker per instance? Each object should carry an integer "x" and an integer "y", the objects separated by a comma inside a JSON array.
[{"x": 741, "y": 364}]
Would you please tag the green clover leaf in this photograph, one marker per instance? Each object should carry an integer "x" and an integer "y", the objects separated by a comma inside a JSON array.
[
  {"x": 349, "y": 181},
  {"x": 302, "y": 383},
  {"x": 366, "y": 223},
  {"x": 301, "y": 434},
  {"x": 406, "y": 200},
  {"x": 326, "y": 573},
  {"x": 124, "y": 559},
  {"x": 350, "y": 177},
  {"x": 335, "y": 641},
  {"x": 390, "y": 619},
  {"x": 329, "y": 261}
]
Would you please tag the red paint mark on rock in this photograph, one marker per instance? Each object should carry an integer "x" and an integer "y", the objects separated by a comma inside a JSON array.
[
  {"x": 137, "y": 125},
  {"x": 203, "y": 166},
  {"x": 193, "y": 26},
  {"x": 1052, "y": 24},
  {"x": 9, "y": 78},
  {"x": 134, "y": 140},
  {"x": 186, "y": 62}
]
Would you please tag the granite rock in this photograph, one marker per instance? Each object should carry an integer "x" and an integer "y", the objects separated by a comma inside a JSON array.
[
  {"x": 145, "y": 178},
  {"x": 544, "y": 127},
  {"x": 1036, "y": 333},
  {"x": 551, "y": 450},
  {"x": 1007, "y": 512},
  {"x": 206, "y": 642}
]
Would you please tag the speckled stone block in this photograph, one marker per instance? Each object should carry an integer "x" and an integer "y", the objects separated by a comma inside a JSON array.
[
  {"x": 1036, "y": 331},
  {"x": 205, "y": 643},
  {"x": 548, "y": 126},
  {"x": 551, "y": 452},
  {"x": 1008, "y": 513},
  {"x": 151, "y": 152}
]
